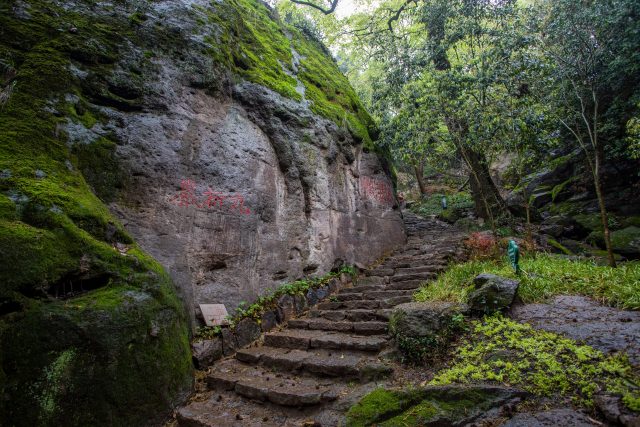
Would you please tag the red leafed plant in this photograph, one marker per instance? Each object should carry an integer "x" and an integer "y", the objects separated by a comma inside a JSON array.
[{"x": 482, "y": 245}]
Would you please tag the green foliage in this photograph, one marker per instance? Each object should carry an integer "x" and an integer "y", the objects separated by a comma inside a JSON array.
[
  {"x": 377, "y": 402},
  {"x": 503, "y": 351},
  {"x": 88, "y": 358},
  {"x": 432, "y": 204},
  {"x": 421, "y": 350},
  {"x": 269, "y": 300},
  {"x": 254, "y": 44},
  {"x": 207, "y": 332},
  {"x": 544, "y": 276}
]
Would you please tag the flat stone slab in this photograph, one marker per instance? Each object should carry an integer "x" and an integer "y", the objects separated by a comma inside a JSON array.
[
  {"x": 552, "y": 418},
  {"x": 605, "y": 328},
  {"x": 332, "y": 363},
  {"x": 353, "y": 315},
  {"x": 371, "y": 295},
  {"x": 260, "y": 384},
  {"x": 306, "y": 339},
  {"x": 359, "y": 328},
  {"x": 424, "y": 276}
]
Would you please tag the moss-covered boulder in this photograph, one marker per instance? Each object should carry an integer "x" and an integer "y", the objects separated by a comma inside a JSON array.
[
  {"x": 625, "y": 242},
  {"x": 430, "y": 406},
  {"x": 424, "y": 329},
  {"x": 91, "y": 330}
]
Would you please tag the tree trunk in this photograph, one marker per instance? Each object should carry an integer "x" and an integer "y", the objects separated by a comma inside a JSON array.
[
  {"x": 487, "y": 199},
  {"x": 604, "y": 216},
  {"x": 418, "y": 169}
]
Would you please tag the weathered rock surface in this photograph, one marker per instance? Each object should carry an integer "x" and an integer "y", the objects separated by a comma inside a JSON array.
[
  {"x": 177, "y": 129},
  {"x": 492, "y": 293},
  {"x": 423, "y": 319},
  {"x": 205, "y": 352},
  {"x": 605, "y": 328},
  {"x": 615, "y": 411},
  {"x": 551, "y": 418},
  {"x": 451, "y": 405}
]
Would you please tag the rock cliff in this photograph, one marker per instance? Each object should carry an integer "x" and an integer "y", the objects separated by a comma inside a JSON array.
[{"x": 154, "y": 156}]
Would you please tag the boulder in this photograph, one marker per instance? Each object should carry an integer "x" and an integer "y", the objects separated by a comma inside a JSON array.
[
  {"x": 563, "y": 226},
  {"x": 229, "y": 343},
  {"x": 627, "y": 242},
  {"x": 612, "y": 408},
  {"x": 422, "y": 319},
  {"x": 492, "y": 293},
  {"x": 554, "y": 417},
  {"x": 286, "y": 308},
  {"x": 269, "y": 320},
  {"x": 206, "y": 352},
  {"x": 449, "y": 405},
  {"x": 247, "y": 331}
]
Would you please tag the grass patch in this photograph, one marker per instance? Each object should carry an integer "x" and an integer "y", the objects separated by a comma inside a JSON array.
[
  {"x": 503, "y": 351},
  {"x": 544, "y": 276},
  {"x": 432, "y": 205}
]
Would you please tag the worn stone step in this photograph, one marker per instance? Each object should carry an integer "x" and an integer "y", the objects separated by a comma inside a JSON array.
[
  {"x": 407, "y": 285},
  {"x": 362, "y": 288},
  {"x": 369, "y": 304},
  {"x": 352, "y": 315},
  {"x": 434, "y": 268},
  {"x": 257, "y": 383},
  {"x": 359, "y": 328},
  {"x": 377, "y": 295},
  {"x": 371, "y": 280},
  {"x": 332, "y": 363},
  {"x": 304, "y": 339},
  {"x": 414, "y": 276},
  {"x": 379, "y": 272}
]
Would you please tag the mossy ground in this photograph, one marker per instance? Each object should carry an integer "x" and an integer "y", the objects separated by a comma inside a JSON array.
[
  {"x": 544, "y": 276},
  {"x": 502, "y": 351}
]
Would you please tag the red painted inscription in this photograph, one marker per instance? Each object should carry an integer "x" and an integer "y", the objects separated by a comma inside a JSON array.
[
  {"x": 377, "y": 190},
  {"x": 210, "y": 199}
]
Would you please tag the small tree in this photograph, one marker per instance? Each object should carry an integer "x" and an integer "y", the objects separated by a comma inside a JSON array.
[{"x": 586, "y": 43}]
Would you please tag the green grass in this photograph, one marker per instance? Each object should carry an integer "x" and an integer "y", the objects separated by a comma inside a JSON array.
[
  {"x": 546, "y": 364},
  {"x": 544, "y": 276},
  {"x": 432, "y": 205}
]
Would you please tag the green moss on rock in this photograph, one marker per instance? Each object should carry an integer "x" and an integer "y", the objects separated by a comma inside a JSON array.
[{"x": 117, "y": 353}]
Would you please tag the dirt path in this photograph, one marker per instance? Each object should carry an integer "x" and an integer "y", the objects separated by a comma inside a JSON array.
[{"x": 312, "y": 370}]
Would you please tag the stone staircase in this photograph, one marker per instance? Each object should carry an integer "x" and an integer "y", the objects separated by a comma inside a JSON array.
[{"x": 314, "y": 368}]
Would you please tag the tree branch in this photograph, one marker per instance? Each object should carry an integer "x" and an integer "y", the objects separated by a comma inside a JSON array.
[{"x": 332, "y": 8}]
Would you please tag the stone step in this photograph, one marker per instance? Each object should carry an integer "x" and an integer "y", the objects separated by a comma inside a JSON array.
[
  {"x": 372, "y": 280},
  {"x": 424, "y": 276},
  {"x": 358, "y": 328},
  {"x": 331, "y": 363},
  {"x": 260, "y": 384},
  {"x": 434, "y": 268},
  {"x": 366, "y": 295},
  {"x": 362, "y": 288},
  {"x": 305, "y": 339},
  {"x": 368, "y": 304},
  {"x": 379, "y": 272},
  {"x": 352, "y": 315},
  {"x": 412, "y": 285}
]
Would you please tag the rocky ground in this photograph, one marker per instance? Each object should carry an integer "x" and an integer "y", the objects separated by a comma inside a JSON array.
[{"x": 313, "y": 369}]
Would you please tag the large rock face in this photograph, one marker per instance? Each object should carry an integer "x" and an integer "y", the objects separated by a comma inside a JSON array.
[
  {"x": 211, "y": 136},
  {"x": 233, "y": 200}
]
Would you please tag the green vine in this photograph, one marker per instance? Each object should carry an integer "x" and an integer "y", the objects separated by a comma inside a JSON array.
[{"x": 269, "y": 300}]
